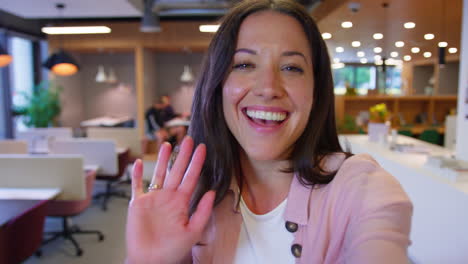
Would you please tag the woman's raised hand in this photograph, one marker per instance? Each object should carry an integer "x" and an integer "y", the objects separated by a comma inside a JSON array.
[{"x": 159, "y": 229}]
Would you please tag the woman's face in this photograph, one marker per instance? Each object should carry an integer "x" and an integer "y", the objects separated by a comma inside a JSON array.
[{"x": 267, "y": 97}]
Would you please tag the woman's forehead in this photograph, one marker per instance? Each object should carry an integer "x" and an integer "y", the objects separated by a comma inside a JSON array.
[{"x": 268, "y": 29}]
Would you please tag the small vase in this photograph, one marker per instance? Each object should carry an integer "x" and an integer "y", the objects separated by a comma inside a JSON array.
[{"x": 377, "y": 131}]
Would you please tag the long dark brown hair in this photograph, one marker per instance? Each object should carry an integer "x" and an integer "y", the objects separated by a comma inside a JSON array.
[{"x": 208, "y": 125}]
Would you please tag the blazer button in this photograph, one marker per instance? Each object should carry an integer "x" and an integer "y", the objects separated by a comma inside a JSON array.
[
  {"x": 291, "y": 227},
  {"x": 296, "y": 250}
]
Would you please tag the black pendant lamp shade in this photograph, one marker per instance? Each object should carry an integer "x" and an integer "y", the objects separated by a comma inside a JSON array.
[
  {"x": 61, "y": 63},
  {"x": 5, "y": 58},
  {"x": 441, "y": 56}
]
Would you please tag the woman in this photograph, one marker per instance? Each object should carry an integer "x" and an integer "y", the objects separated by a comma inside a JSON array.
[{"x": 268, "y": 181}]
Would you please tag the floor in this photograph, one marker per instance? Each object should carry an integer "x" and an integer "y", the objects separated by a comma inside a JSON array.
[{"x": 111, "y": 223}]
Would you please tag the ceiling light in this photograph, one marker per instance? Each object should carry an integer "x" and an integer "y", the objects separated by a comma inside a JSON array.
[
  {"x": 360, "y": 54},
  {"x": 363, "y": 60},
  {"x": 427, "y": 54},
  {"x": 356, "y": 44},
  {"x": 394, "y": 54},
  {"x": 399, "y": 44},
  {"x": 378, "y": 62},
  {"x": 451, "y": 50},
  {"x": 76, "y": 30},
  {"x": 339, "y": 49},
  {"x": 378, "y": 36},
  {"x": 415, "y": 50},
  {"x": 336, "y": 60},
  {"x": 407, "y": 57},
  {"x": 377, "y": 57},
  {"x": 377, "y": 49},
  {"x": 111, "y": 77},
  {"x": 61, "y": 63},
  {"x": 443, "y": 44},
  {"x": 429, "y": 36},
  {"x": 5, "y": 58},
  {"x": 347, "y": 24},
  {"x": 409, "y": 25},
  {"x": 149, "y": 20},
  {"x": 390, "y": 61},
  {"x": 208, "y": 28},
  {"x": 326, "y": 35}
]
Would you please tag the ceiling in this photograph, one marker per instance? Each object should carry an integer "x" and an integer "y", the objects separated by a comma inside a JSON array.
[{"x": 440, "y": 17}]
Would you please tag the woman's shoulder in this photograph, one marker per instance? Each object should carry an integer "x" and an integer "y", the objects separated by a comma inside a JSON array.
[{"x": 361, "y": 176}]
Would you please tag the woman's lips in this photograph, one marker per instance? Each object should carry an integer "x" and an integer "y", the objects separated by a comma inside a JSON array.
[{"x": 265, "y": 118}]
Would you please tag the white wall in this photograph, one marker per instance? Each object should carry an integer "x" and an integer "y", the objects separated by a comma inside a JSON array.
[{"x": 462, "y": 122}]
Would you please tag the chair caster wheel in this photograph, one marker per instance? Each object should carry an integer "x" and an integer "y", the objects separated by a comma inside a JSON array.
[
  {"x": 79, "y": 253},
  {"x": 38, "y": 254},
  {"x": 101, "y": 237}
]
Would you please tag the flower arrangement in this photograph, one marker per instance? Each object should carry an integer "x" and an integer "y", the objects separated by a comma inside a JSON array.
[{"x": 379, "y": 113}]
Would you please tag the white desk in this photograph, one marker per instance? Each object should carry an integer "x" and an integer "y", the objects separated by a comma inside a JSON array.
[
  {"x": 28, "y": 193},
  {"x": 439, "y": 230}
]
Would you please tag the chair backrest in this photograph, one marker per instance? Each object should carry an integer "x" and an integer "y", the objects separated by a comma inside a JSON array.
[
  {"x": 21, "y": 237},
  {"x": 450, "y": 131},
  {"x": 100, "y": 152},
  {"x": 124, "y": 137},
  {"x": 431, "y": 136},
  {"x": 44, "y": 171},
  {"x": 13, "y": 147},
  {"x": 38, "y": 138}
]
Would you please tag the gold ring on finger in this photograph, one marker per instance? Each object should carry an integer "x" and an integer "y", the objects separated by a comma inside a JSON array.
[{"x": 154, "y": 187}]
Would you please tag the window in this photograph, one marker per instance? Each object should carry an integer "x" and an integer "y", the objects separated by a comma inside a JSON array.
[{"x": 365, "y": 77}]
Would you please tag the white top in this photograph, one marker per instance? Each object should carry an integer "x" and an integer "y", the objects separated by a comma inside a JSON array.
[{"x": 264, "y": 238}]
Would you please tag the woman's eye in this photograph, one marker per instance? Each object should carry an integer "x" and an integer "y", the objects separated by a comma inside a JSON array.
[
  {"x": 243, "y": 66},
  {"x": 291, "y": 68}
]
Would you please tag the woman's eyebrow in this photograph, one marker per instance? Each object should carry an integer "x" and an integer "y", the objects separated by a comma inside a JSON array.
[
  {"x": 253, "y": 52},
  {"x": 294, "y": 53}
]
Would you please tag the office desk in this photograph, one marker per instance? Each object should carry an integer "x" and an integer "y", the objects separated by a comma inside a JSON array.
[
  {"x": 28, "y": 193},
  {"x": 10, "y": 209}
]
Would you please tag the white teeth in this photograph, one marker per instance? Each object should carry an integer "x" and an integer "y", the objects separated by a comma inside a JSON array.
[{"x": 273, "y": 116}]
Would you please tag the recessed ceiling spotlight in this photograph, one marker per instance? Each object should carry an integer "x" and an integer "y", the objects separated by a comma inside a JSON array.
[
  {"x": 363, "y": 60},
  {"x": 336, "y": 60},
  {"x": 399, "y": 44},
  {"x": 452, "y": 50},
  {"x": 378, "y": 36},
  {"x": 356, "y": 44},
  {"x": 390, "y": 61},
  {"x": 326, "y": 35},
  {"x": 377, "y": 49},
  {"x": 339, "y": 49},
  {"x": 409, "y": 25},
  {"x": 360, "y": 54},
  {"x": 443, "y": 44},
  {"x": 415, "y": 50},
  {"x": 208, "y": 28},
  {"x": 394, "y": 54},
  {"x": 429, "y": 36},
  {"x": 377, "y": 57},
  {"x": 407, "y": 57},
  {"x": 427, "y": 54},
  {"x": 378, "y": 62},
  {"x": 347, "y": 24}
]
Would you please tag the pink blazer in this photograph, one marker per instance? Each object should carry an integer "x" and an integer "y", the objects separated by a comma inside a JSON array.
[{"x": 362, "y": 216}]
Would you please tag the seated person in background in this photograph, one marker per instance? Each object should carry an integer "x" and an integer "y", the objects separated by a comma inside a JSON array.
[{"x": 173, "y": 132}]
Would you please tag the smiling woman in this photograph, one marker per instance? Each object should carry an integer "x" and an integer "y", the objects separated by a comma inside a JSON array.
[{"x": 268, "y": 181}]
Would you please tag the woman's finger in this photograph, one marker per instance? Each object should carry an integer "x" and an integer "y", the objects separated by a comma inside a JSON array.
[
  {"x": 193, "y": 172},
  {"x": 180, "y": 165},
  {"x": 137, "y": 182},
  {"x": 201, "y": 216},
  {"x": 160, "y": 169}
]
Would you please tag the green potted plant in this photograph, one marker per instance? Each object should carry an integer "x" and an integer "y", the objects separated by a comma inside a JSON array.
[{"x": 42, "y": 106}]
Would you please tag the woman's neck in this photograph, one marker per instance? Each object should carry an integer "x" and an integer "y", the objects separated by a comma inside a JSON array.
[{"x": 265, "y": 186}]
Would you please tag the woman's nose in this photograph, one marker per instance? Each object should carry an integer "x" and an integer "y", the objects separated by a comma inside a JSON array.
[{"x": 269, "y": 84}]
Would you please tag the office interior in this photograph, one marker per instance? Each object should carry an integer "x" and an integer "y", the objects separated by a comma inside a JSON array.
[{"x": 402, "y": 58}]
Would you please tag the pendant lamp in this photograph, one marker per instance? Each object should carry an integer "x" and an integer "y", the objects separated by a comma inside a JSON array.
[
  {"x": 5, "y": 58},
  {"x": 111, "y": 78},
  {"x": 187, "y": 75},
  {"x": 61, "y": 62},
  {"x": 101, "y": 75}
]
